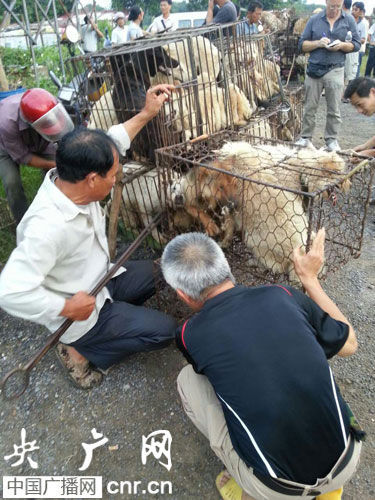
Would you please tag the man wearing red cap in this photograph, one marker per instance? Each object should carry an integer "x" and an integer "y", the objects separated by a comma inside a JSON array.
[{"x": 30, "y": 123}]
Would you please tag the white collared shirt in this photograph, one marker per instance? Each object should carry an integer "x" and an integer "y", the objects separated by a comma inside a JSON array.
[
  {"x": 61, "y": 249},
  {"x": 119, "y": 35},
  {"x": 161, "y": 24}
]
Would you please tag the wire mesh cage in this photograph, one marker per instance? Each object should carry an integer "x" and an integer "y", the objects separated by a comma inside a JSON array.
[
  {"x": 113, "y": 86},
  {"x": 292, "y": 62},
  {"x": 221, "y": 76},
  {"x": 261, "y": 198},
  {"x": 141, "y": 202},
  {"x": 251, "y": 66}
]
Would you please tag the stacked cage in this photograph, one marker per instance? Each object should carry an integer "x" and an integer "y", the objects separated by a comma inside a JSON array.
[{"x": 261, "y": 198}]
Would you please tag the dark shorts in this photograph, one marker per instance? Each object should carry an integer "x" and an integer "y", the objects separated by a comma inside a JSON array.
[{"x": 124, "y": 326}]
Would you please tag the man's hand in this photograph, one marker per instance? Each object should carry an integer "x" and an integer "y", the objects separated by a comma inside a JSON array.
[
  {"x": 79, "y": 307},
  {"x": 155, "y": 98},
  {"x": 335, "y": 48},
  {"x": 323, "y": 42},
  {"x": 359, "y": 148},
  {"x": 211, "y": 4},
  {"x": 308, "y": 265}
]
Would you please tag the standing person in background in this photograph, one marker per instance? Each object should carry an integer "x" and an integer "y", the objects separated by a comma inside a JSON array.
[
  {"x": 119, "y": 34},
  {"x": 351, "y": 59},
  {"x": 165, "y": 21},
  {"x": 370, "y": 66},
  {"x": 135, "y": 19},
  {"x": 325, "y": 69},
  {"x": 226, "y": 14},
  {"x": 253, "y": 25},
  {"x": 90, "y": 34},
  {"x": 358, "y": 12}
]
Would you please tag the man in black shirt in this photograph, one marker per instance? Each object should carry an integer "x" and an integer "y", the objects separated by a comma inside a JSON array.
[{"x": 259, "y": 386}]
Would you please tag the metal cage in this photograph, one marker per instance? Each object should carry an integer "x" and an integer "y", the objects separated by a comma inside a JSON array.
[
  {"x": 264, "y": 201},
  {"x": 221, "y": 76}
]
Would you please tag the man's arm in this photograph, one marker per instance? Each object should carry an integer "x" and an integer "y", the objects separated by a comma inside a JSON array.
[
  {"x": 39, "y": 162},
  {"x": 155, "y": 98},
  {"x": 210, "y": 12},
  {"x": 95, "y": 28},
  {"x": 370, "y": 144},
  {"x": 310, "y": 45},
  {"x": 22, "y": 290},
  {"x": 307, "y": 268}
]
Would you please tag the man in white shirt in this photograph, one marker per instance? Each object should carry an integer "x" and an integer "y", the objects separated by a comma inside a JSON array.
[
  {"x": 370, "y": 65},
  {"x": 165, "y": 21},
  {"x": 62, "y": 252},
  {"x": 90, "y": 34},
  {"x": 358, "y": 12},
  {"x": 120, "y": 32}
]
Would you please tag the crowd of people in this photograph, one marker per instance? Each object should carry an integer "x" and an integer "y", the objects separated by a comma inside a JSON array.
[{"x": 258, "y": 384}]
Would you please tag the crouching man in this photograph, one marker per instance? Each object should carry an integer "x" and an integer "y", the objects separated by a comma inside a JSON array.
[
  {"x": 361, "y": 93},
  {"x": 62, "y": 252},
  {"x": 259, "y": 386}
]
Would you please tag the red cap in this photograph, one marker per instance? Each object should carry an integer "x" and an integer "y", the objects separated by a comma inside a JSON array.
[{"x": 35, "y": 103}]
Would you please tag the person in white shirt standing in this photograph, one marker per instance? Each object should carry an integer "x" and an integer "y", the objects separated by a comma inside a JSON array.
[
  {"x": 120, "y": 32},
  {"x": 90, "y": 34},
  {"x": 358, "y": 12},
  {"x": 165, "y": 21},
  {"x": 370, "y": 66},
  {"x": 135, "y": 19},
  {"x": 62, "y": 252}
]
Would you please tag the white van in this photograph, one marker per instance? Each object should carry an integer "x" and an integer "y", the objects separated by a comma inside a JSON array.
[{"x": 189, "y": 19}]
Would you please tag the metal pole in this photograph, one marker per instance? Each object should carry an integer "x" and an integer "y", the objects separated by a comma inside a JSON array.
[
  {"x": 20, "y": 24},
  {"x": 58, "y": 41},
  {"x": 31, "y": 44},
  {"x": 39, "y": 24}
]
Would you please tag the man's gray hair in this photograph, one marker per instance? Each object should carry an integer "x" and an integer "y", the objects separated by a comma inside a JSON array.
[{"x": 193, "y": 262}]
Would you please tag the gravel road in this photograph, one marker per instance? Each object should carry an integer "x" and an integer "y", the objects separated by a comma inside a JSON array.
[{"x": 139, "y": 396}]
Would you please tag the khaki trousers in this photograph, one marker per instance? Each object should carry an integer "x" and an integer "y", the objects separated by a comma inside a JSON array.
[
  {"x": 333, "y": 83},
  {"x": 204, "y": 410}
]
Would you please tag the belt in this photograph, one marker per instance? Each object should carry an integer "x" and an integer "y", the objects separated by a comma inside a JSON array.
[{"x": 288, "y": 489}]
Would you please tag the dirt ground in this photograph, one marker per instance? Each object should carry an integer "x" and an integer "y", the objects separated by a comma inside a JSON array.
[{"x": 139, "y": 396}]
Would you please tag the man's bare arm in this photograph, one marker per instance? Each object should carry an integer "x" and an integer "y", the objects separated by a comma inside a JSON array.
[
  {"x": 210, "y": 12},
  {"x": 155, "y": 98},
  {"x": 39, "y": 162},
  {"x": 370, "y": 144},
  {"x": 310, "y": 45},
  {"x": 307, "y": 267}
]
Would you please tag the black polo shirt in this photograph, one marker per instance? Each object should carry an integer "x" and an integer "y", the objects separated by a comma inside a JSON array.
[{"x": 265, "y": 350}]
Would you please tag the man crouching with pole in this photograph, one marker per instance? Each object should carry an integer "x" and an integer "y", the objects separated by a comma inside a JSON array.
[{"x": 62, "y": 252}]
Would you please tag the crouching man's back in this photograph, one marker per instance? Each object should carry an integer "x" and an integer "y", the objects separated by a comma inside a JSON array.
[{"x": 259, "y": 385}]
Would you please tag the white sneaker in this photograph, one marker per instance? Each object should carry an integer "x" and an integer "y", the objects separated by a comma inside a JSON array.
[
  {"x": 304, "y": 142},
  {"x": 333, "y": 145}
]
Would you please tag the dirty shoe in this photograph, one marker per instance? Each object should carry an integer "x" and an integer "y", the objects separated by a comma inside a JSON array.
[{"x": 80, "y": 374}]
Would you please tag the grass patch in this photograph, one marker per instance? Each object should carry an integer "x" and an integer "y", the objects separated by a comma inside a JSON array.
[{"x": 31, "y": 180}]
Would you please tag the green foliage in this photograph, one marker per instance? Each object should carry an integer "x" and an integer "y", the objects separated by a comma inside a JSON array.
[
  {"x": 18, "y": 9},
  {"x": 31, "y": 180},
  {"x": 20, "y": 71}
]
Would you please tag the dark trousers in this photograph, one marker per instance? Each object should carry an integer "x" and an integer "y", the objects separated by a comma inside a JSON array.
[
  {"x": 360, "y": 57},
  {"x": 124, "y": 326},
  {"x": 11, "y": 179},
  {"x": 370, "y": 66}
]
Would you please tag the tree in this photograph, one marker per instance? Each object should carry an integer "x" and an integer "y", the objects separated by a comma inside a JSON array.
[{"x": 18, "y": 9}]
